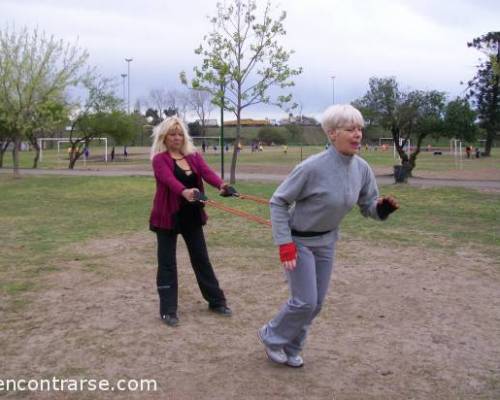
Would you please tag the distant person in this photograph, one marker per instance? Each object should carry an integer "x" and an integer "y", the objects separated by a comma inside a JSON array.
[
  {"x": 86, "y": 152},
  {"x": 306, "y": 211},
  {"x": 468, "y": 151},
  {"x": 204, "y": 147},
  {"x": 113, "y": 153},
  {"x": 285, "y": 149},
  {"x": 180, "y": 170},
  {"x": 429, "y": 147},
  {"x": 125, "y": 152},
  {"x": 227, "y": 147},
  {"x": 478, "y": 152}
]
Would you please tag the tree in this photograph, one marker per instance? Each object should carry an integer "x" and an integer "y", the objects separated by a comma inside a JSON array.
[
  {"x": 201, "y": 103},
  {"x": 5, "y": 135},
  {"x": 269, "y": 135},
  {"x": 194, "y": 129},
  {"x": 484, "y": 88},
  {"x": 34, "y": 70},
  {"x": 98, "y": 116},
  {"x": 460, "y": 120},
  {"x": 153, "y": 116},
  {"x": 242, "y": 60},
  {"x": 51, "y": 117},
  {"x": 296, "y": 133},
  {"x": 158, "y": 100},
  {"x": 415, "y": 114}
]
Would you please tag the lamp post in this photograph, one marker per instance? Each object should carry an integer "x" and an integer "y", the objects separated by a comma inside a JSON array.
[
  {"x": 333, "y": 89},
  {"x": 222, "y": 89},
  {"x": 128, "y": 60},
  {"x": 123, "y": 81}
]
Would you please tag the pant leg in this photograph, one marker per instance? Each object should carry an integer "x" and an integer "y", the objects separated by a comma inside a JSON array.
[
  {"x": 205, "y": 275},
  {"x": 297, "y": 311},
  {"x": 324, "y": 259},
  {"x": 166, "y": 277}
]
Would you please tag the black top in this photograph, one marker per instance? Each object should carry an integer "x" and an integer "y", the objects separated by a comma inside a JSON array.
[{"x": 189, "y": 214}]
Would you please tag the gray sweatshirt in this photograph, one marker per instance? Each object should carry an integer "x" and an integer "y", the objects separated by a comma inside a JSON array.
[{"x": 320, "y": 191}]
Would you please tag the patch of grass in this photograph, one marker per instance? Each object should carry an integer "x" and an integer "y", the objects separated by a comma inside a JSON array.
[
  {"x": 12, "y": 288},
  {"x": 42, "y": 215},
  {"x": 271, "y": 156}
]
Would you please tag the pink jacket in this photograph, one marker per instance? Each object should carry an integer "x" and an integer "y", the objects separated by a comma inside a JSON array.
[{"x": 168, "y": 195}]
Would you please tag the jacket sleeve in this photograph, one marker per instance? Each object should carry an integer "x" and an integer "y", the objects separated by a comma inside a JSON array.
[
  {"x": 163, "y": 174},
  {"x": 290, "y": 190},
  {"x": 368, "y": 195},
  {"x": 207, "y": 173}
]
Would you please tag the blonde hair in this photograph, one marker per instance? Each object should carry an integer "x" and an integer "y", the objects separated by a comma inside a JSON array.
[
  {"x": 341, "y": 116},
  {"x": 163, "y": 129}
]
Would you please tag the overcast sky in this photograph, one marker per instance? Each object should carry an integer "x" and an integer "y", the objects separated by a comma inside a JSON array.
[{"x": 421, "y": 42}]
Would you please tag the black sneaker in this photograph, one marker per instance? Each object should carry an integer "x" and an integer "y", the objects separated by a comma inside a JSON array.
[
  {"x": 221, "y": 310},
  {"x": 170, "y": 319}
]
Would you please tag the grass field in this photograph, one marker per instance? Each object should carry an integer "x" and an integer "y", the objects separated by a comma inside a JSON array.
[
  {"x": 271, "y": 156},
  {"x": 41, "y": 215},
  {"x": 412, "y": 312}
]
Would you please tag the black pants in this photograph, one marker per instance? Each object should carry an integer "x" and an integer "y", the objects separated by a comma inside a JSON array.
[{"x": 166, "y": 278}]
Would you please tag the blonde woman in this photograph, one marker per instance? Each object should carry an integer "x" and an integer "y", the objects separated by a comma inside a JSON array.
[{"x": 179, "y": 172}]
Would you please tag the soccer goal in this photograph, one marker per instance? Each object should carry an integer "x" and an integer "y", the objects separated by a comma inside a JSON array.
[
  {"x": 66, "y": 140},
  {"x": 406, "y": 148},
  {"x": 456, "y": 148}
]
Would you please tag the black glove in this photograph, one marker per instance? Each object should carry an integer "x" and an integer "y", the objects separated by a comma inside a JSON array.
[
  {"x": 199, "y": 196},
  {"x": 385, "y": 208},
  {"x": 229, "y": 191}
]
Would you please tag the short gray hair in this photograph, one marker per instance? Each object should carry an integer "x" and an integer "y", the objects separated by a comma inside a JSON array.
[{"x": 341, "y": 116}]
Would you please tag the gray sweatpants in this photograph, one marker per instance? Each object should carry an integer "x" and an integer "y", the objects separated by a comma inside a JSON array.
[{"x": 308, "y": 285}]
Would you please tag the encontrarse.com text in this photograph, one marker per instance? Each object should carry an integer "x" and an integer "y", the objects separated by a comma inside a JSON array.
[{"x": 77, "y": 385}]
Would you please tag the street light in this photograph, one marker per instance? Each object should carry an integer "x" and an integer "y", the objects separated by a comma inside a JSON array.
[
  {"x": 128, "y": 60},
  {"x": 123, "y": 80},
  {"x": 333, "y": 89},
  {"x": 222, "y": 88}
]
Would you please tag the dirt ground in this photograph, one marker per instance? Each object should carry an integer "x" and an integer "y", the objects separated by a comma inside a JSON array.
[{"x": 398, "y": 323}]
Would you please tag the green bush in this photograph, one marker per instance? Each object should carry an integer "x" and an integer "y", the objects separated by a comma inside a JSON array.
[{"x": 270, "y": 135}]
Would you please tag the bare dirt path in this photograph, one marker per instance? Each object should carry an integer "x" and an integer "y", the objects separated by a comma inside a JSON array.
[
  {"x": 488, "y": 179},
  {"x": 390, "y": 330}
]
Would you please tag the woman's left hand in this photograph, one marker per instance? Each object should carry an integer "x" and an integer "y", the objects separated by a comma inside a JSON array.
[
  {"x": 390, "y": 200},
  {"x": 386, "y": 205}
]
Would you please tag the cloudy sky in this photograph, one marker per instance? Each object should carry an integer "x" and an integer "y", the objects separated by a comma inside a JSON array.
[{"x": 421, "y": 42}]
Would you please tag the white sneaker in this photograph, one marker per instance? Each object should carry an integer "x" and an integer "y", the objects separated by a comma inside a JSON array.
[
  {"x": 277, "y": 356},
  {"x": 295, "y": 361}
]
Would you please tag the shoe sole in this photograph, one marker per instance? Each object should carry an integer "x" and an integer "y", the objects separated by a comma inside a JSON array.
[
  {"x": 172, "y": 325},
  {"x": 265, "y": 349},
  {"x": 293, "y": 365}
]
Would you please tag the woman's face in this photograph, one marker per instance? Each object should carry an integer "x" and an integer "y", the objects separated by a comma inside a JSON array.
[
  {"x": 174, "y": 139},
  {"x": 347, "y": 140}
]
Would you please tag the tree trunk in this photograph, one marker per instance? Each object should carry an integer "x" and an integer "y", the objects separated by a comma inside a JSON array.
[
  {"x": 493, "y": 124},
  {"x": 405, "y": 160},
  {"x": 3, "y": 149},
  {"x": 74, "y": 155},
  {"x": 15, "y": 157},
  {"x": 37, "y": 153},
  {"x": 232, "y": 179}
]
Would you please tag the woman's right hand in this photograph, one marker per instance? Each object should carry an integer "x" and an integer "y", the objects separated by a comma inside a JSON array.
[
  {"x": 288, "y": 256},
  {"x": 190, "y": 194}
]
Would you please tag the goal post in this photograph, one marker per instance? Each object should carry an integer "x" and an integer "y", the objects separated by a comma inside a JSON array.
[
  {"x": 66, "y": 140},
  {"x": 406, "y": 148}
]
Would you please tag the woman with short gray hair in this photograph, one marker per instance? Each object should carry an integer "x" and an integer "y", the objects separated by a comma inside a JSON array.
[{"x": 306, "y": 211}]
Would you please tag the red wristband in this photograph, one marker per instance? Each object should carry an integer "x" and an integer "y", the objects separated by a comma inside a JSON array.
[{"x": 288, "y": 252}]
